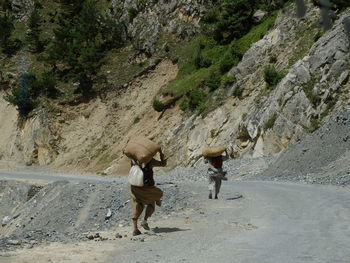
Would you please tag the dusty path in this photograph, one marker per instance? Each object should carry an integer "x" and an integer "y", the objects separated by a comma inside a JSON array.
[
  {"x": 272, "y": 222},
  {"x": 50, "y": 177}
]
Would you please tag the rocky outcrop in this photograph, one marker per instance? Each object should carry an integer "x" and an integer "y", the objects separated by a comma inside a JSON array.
[
  {"x": 21, "y": 8},
  {"x": 151, "y": 24},
  {"x": 25, "y": 142},
  {"x": 265, "y": 121},
  {"x": 311, "y": 89}
]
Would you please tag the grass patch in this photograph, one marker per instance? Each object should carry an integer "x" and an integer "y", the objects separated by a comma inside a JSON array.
[
  {"x": 242, "y": 45},
  {"x": 272, "y": 76},
  {"x": 308, "y": 90},
  {"x": 315, "y": 124},
  {"x": 306, "y": 37},
  {"x": 270, "y": 122},
  {"x": 204, "y": 63}
]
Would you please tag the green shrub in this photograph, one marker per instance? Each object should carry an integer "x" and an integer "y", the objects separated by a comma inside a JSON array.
[
  {"x": 132, "y": 12},
  {"x": 184, "y": 105},
  {"x": 273, "y": 59},
  {"x": 227, "y": 80},
  {"x": 315, "y": 124},
  {"x": 9, "y": 44},
  {"x": 33, "y": 35},
  {"x": 158, "y": 105},
  {"x": 227, "y": 62},
  {"x": 241, "y": 45},
  {"x": 233, "y": 19},
  {"x": 318, "y": 35},
  {"x": 24, "y": 94},
  {"x": 137, "y": 120},
  {"x": 272, "y": 76},
  {"x": 238, "y": 91},
  {"x": 308, "y": 90},
  {"x": 212, "y": 16},
  {"x": 270, "y": 122},
  {"x": 200, "y": 61},
  {"x": 214, "y": 80},
  {"x": 196, "y": 98}
]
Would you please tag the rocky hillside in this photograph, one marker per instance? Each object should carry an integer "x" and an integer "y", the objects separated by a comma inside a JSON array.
[{"x": 255, "y": 117}]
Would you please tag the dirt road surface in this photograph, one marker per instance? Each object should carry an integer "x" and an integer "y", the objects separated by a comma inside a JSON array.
[{"x": 250, "y": 222}]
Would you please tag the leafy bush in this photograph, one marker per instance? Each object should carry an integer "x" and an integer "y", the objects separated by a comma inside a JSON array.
[
  {"x": 8, "y": 44},
  {"x": 273, "y": 59},
  {"x": 318, "y": 35},
  {"x": 132, "y": 12},
  {"x": 158, "y": 105},
  {"x": 200, "y": 61},
  {"x": 196, "y": 99},
  {"x": 234, "y": 17},
  {"x": 24, "y": 94},
  {"x": 227, "y": 80},
  {"x": 227, "y": 62},
  {"x": 214, "y": 80},
  {"x": 272, "y": 76},
  {"x": 184, "y": 105},
  {"x": 238, "y": 91},
  {"x": 33, "y": 36}
]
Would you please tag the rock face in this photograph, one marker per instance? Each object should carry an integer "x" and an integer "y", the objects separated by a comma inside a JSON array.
[
  {"x": 266, "y": 120},
  {"x": 262, "y": 122},
  {"x": 27, "y": 142},
  {"x": 22, "y": 8},
  {"x": 320, "y": 157},
  {"x": 151, "y": 24}
]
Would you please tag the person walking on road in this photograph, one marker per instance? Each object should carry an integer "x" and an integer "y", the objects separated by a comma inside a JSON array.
[
  {"x": 216, "y": 173},
  {"x": 148, "y": 195}
]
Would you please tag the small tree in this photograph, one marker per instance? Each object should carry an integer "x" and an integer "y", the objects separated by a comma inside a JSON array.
[
  {"x": 33, "y": 36},
  {"x": 158, "y": 105},
  {"x": 272, "y": 76},
  {"x": 23, "y": 95}
]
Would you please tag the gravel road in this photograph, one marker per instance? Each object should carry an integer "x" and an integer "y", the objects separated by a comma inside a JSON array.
[
  {"x": 272, "y": 222},
  {"x": 252, "y": 221}
]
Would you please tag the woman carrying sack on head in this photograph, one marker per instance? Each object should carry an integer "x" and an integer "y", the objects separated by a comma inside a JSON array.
[
  {"x": 147, "y": 195},
  {"x": 215, "y": 170}
]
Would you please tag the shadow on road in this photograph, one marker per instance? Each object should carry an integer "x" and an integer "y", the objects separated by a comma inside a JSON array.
[
  {"x": 168, "y": 229},
  {"x": 237, "y": 196}
]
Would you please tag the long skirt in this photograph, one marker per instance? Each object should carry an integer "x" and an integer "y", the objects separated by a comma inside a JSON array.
[{"x": 145, "y": 195}]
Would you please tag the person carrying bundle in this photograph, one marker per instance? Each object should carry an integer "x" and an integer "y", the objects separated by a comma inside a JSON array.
[
  {"x": 214, "y": 158},
  {"x": 144, "y": 193}
]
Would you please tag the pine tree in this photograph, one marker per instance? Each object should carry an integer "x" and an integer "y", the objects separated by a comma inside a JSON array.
[{"x": 35, "y": 21}]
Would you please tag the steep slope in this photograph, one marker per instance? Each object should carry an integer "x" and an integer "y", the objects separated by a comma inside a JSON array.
[
  {"x": 89, "y": 137},
  {"x": 267, "y": 119},
  {"x": 321, "y": 157}
]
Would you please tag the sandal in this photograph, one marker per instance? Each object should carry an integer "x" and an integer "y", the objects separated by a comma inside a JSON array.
[
  {"x": 136, "y": 232},
  {"x": 144, "y": 224}
]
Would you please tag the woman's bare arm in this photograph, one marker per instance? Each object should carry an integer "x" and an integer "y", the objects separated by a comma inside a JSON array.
[{"x": 161, "y": 163}]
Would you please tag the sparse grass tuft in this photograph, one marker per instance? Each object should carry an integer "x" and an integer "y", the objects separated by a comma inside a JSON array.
[{"x": 270, "y": 122}]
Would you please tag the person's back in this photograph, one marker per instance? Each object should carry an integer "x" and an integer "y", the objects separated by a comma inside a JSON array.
[
  {"x": 147, "y": 195},
  {"x": 216, "y": 173}
]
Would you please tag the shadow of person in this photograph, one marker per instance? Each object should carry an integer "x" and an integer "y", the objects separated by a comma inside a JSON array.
[
  {"x": 236, "y": 196},
  {"x": 168, "y": 229}
]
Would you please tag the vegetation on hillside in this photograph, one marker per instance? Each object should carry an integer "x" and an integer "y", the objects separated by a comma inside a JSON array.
[
  {"x": 69, "y": 46},
  {"x": 205, "y": 61},
  {"x": 67, "y": 42}
]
